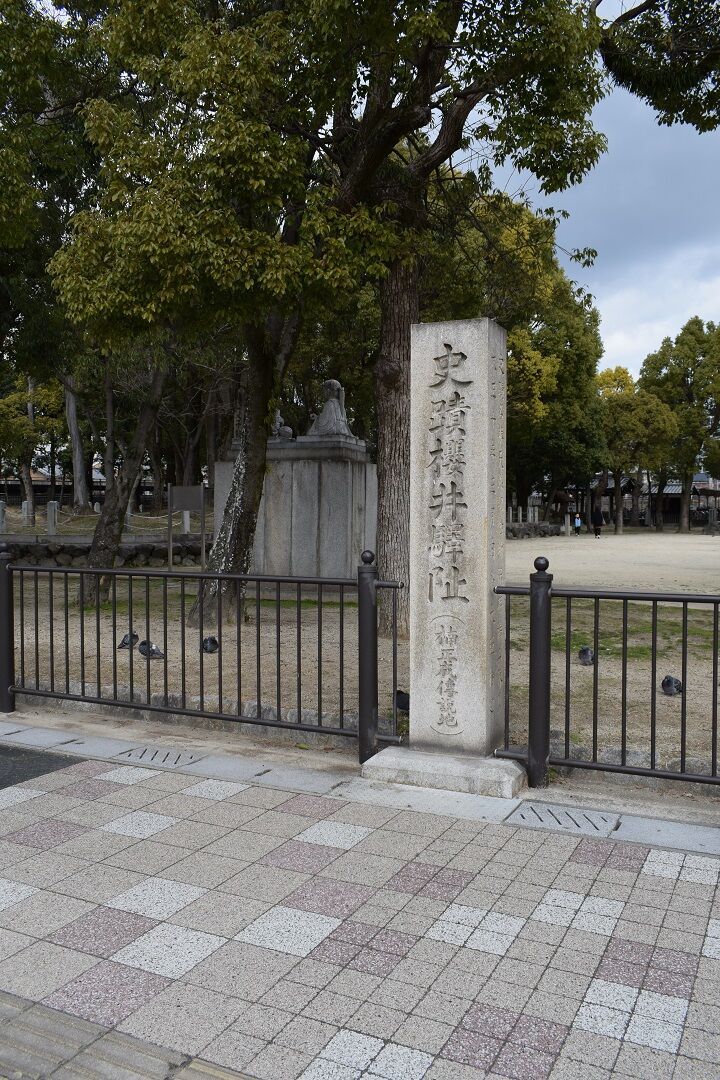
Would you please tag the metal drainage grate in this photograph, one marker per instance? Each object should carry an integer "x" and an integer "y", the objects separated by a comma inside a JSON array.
[
  {"x": 159, "y": 757},
  {"x": 558, "y": 818}
]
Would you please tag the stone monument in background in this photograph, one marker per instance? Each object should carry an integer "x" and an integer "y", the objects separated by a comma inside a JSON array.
[{"x": 319, "y": 502}]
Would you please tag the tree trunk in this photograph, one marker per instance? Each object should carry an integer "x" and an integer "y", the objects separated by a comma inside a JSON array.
[
  {"x": 232, "y": 551},
  {"x": 618, "y": 501},
  {"x": 109, "y": 457},
  {"x": 685, "y": 502},
  {"x": 108, "y": 531},
  {"x": 81, "y": 495},
  {"x": 211, "y": 442},
  {"x": 189, "y": 471},
  {"x": 53, "y": 468},
  {"x": 158, "y": 472},
  {"x": 659, "y": 497},
  {"x": 636, "y": 491},
  {"x": 399, "y": 304},
  {"x": 25, "y": 470}
]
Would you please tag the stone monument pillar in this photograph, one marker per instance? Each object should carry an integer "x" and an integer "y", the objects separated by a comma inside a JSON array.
[
  {"x": 457, "y": 535},
  {"x": 457, "y": 556}
]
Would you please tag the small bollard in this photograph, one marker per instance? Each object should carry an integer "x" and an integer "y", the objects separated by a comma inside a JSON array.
[
  {"x": 568, "y": 529},
  {"x": 52, "y": 518},
  {"x": 186, "y": 522},
  {"x": 96, "y": 508},
  {"x": 24, "y": 512}
]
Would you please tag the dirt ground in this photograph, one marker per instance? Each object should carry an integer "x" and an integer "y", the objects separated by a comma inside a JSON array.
[
  {"x": 641, "y": 559},
  {"x": 308, "y": 639}
]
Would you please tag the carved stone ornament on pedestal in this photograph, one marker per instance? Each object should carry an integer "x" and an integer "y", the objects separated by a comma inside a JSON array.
[{"x": 332, "y": 420}]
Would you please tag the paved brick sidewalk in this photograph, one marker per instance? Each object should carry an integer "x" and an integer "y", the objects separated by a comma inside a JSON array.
[{"x": 285, "y": 936}]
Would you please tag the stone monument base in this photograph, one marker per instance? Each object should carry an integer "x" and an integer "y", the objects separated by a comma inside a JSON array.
[{"x": 470, "y": 773}]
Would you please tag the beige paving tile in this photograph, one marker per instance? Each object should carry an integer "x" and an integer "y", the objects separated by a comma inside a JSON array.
[{"x": 41, "y": 968}]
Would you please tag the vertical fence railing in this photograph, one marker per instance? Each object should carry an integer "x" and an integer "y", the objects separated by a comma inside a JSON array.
[
  {"x": 615, "y": 729},
  {"x": 7, "y": 637},
  {"x": 367, "y": 657},
  {"x": 334, "y": 689},
  {"x": 539, "y": 698}
]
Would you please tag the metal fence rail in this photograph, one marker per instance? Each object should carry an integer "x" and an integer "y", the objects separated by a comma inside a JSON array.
[
  {"x": 553, "y": 680},
  {"x": 277, "y": 651}
]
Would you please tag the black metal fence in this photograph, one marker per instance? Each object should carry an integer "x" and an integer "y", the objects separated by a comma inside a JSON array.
[
  {"x": 593, "y": 694},
  {"x": 295, "y": 653}
]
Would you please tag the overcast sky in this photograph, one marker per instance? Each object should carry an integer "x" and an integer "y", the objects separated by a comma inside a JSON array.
[{"x": 651, "y": 209}]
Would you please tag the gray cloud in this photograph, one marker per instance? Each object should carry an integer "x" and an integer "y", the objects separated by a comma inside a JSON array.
[{"x": 651, "y": 209}]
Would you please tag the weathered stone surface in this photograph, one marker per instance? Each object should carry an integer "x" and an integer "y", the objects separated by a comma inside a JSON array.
[
  {"x": 457, "y": 536},
  {"x": 318, "y": 508},
  {"x": 450, "y": 772}
]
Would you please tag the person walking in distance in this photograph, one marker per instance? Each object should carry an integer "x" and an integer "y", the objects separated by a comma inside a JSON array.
[
  {"x": 578, "y": 523},
  {"x": 598, "y": 520}
]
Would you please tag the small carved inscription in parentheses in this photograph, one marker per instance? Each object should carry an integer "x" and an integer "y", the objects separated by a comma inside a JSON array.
[{"x": 446, "y": 639}]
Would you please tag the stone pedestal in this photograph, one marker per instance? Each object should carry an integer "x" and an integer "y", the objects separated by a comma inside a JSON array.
[
  {"x": 318, "y": 508},
  {"x": 457, "y": 536}
]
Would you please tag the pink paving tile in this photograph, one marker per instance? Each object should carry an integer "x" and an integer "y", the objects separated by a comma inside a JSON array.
[
  {"x": 627, "y": 857},
  {"x": 356, "y": 933},
  {"x": 618, "y": 971},
  {"x": 412, "y": 878},
  {"x": 523, "y": 1063},
  {"x": 472, "y": 1048},
  {"x": 103, "y": 931},
  {"x": 295, "y": 855},
  {"x": 670, "y": 983},
  {"x": 590, "y": 853},
  {"x": 107, "y": 993},
  {"x": 373, "y": 962},
  {"x": 537, "y": 1034},
  {"x": 335, "y": 952},
  {"x": 681, "y": 963},
  {"x": 46, "y": 834},
  {"x": 85, "y": 768},
  {"x": 90, "y": 789},
  {"x": 634, "y": 952},
  {"x": 394, "y": 942},
  {"x": 439, "y": 890},
  {"x": 324, "y": 896},
  {"x": 617, "y": 862},
  {"x": 487, "y": 1020},
  {"x": 311, "y": 806}
]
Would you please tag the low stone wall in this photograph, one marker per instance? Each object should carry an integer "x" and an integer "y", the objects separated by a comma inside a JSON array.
[
  {"x": 138, "y": 553},
  {"x": 525, "y": 530}
]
